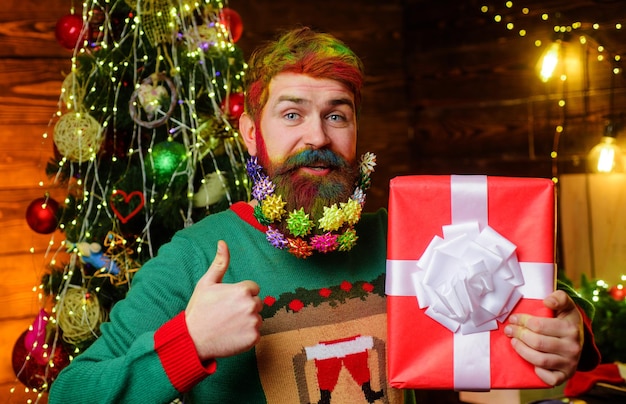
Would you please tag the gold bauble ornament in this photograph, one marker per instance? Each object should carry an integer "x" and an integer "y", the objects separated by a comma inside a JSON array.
[
  {"x": 79, "y": 315},
  {"x": 72, "y": 93},
  {"x": 78, "y": 136}
]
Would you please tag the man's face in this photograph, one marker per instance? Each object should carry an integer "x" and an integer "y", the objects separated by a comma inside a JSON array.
[{"x": 307, "y": 139}]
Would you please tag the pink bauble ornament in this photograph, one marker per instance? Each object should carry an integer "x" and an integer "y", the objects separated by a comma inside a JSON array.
[
  {"x": 68, "y": 30},
  {"x": 35, "y": 338},
  {"x": 232, "y": 21},
  {"x": 41, "y": 215},
  {"x": 233, "y": 105}
]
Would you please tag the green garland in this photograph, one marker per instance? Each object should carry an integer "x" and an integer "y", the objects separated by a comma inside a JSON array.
[
  {"x": 609, "y": 322},
  {"x": 333, "y": 295}
]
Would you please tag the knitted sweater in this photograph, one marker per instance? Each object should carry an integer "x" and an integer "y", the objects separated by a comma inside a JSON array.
[{"x": 323, "y": 332}]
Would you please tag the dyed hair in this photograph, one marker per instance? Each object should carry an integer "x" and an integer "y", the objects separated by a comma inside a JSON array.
[{"x": 304, "y": 51}]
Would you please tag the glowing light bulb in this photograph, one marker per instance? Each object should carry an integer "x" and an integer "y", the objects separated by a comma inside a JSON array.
[
  {"x": 606, "y": 156},
  {"x": 549, "y": 61}
]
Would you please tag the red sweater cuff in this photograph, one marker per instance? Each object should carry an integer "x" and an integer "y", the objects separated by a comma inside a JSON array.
[
  {"x": 590, "y": 357},
  {"x": 178, "y": 355}
]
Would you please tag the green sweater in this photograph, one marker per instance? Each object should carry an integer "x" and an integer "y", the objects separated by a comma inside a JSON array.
[{"x": 323, "y": 328}]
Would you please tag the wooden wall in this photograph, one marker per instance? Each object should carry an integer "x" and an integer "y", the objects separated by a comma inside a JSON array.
[
  {"x": 448, "y": 91},
  {"x": 31, "y": 66}
]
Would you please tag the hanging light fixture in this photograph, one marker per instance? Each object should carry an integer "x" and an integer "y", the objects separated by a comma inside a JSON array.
[
  {"x": 606, "y": 156},
  {"x": 555, "y": 53}
]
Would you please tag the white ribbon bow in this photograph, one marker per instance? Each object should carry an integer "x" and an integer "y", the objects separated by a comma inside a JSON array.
[{"x": 469, "y": 279}]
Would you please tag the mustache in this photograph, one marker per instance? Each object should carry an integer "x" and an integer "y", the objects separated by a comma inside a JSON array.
[{"x": 312, "y": 158}]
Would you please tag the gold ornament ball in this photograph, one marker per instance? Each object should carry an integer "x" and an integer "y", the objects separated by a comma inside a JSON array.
[
  {"x": 72, "y": 93},
  {"x": 79, "y": 315},
  {"x": 78, "y": 136}
]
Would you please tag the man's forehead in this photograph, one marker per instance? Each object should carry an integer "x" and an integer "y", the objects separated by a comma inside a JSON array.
[{"x": 296, "y": 86}]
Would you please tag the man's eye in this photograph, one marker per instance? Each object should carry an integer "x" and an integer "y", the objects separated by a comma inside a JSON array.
[
  {"x": 291, "y": 116},
  {"x": 336, "y": 117}
]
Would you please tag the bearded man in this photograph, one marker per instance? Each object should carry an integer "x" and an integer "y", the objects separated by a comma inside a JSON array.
[{"x": 292, "y": 307}]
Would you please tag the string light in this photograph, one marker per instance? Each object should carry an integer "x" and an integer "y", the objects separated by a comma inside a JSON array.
[{"x": 553, "y": 55}]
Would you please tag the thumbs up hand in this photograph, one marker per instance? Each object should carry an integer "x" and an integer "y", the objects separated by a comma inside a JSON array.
[{"x": 223, "y": 319}]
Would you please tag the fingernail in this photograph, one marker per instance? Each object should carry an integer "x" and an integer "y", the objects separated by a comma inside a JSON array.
[
  {"x": 513, "y": 319},
  {"x": 508, "y": 331}
]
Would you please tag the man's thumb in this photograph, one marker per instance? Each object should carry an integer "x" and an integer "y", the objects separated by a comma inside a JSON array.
[{"x": 220, "y": 263}]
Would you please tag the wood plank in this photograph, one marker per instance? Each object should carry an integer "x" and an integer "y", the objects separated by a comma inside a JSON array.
[
  {"x": 34, "y": 35},
  {"x": 33, "y": 7},
  {"x": 593, "y": 228},
  {"x": 24, "y": 156},
  {"x": 20, "y": 273},
  {"x": 30, "y": 90},
  {"x": 27, "y": 28}
]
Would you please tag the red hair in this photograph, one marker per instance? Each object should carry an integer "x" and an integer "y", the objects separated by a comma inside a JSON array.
[{"x": 301, "y": 51}]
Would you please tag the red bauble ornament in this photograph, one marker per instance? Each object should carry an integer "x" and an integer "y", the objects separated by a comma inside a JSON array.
[
  {"x": 115, "y": 143},
  {"x": 33, "y": 374},
  {"x": 68, "y": 30},
  {"x": 232, "y": 21},
  {"x": 618, "y": 292},
  {"x": 233, "y": 105},
  {"x": 41, "y": 215}
]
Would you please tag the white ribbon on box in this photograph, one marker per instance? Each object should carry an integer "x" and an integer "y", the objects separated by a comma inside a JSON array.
[{"x": 469, "y": 280}]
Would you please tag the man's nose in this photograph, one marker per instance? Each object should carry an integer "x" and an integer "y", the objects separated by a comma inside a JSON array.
[{"x": 316, "y": 136}]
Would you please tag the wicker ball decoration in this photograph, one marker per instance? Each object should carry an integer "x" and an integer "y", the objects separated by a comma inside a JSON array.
[
  {"x": 79, "y": 315},
  {"x": 72, "y": 93},
  {"x": 78, "y": 136}
]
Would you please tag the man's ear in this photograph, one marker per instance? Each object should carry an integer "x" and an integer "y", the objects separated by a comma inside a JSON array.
[{"x": 247, "y": 129}]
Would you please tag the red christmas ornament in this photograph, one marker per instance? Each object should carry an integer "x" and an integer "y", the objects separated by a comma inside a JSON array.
[
  {"x": 232, "y": 21},
  {"x": 233, "y": 105},
  {"x": 617, "y": 292},
  {"x": 68, "y": 30},
  {"x": 30, "y": 372},
  {"x": 41, "y": 215},
  {"x": 115, "y": 143}
]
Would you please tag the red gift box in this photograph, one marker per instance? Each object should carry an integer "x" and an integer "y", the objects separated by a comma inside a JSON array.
[{"x": 446, "y": 275}]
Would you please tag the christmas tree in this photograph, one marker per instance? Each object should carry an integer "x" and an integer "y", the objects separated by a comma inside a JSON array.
[{"x": 145, "y": 143}]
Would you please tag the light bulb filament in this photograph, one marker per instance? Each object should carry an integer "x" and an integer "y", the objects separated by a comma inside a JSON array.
[
  {"x": 549, "y": 61},
  {"x": 606, "y": 161}
]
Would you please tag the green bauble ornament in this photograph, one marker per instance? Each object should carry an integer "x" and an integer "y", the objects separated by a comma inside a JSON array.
[{"x": 167, "y": 163}]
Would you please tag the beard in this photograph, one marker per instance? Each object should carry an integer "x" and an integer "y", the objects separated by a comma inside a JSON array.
[{"x": 312, "y": 192}]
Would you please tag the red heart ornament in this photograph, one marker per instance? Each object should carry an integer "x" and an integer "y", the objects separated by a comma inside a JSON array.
[{"x": 126, "y": 198}]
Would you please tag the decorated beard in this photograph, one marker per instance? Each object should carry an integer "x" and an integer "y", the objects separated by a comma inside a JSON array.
[{"x": 307, "y": 213}]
